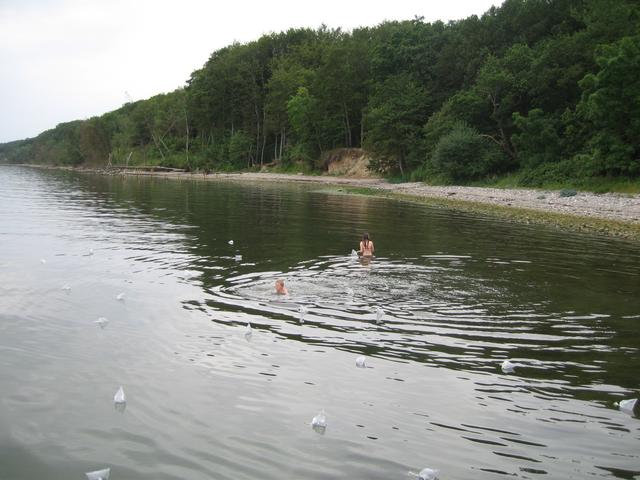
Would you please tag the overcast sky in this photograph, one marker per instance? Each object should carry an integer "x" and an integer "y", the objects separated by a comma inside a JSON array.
[{"x": 63, "y": 60}]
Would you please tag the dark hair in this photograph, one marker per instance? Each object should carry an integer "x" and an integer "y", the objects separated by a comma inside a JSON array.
[{"x": 365, "y": 239}]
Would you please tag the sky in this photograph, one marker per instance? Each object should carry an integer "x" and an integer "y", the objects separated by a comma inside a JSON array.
[{"x": 63, "y": 60}]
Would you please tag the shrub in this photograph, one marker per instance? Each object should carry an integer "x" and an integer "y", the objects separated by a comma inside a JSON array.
[{"x": 463, "y": 154}]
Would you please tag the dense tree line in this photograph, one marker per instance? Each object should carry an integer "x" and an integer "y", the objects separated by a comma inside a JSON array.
[{"x": 546, "y": 88}]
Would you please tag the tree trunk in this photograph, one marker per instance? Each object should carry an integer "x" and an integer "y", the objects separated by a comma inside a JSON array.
[{"x": 347, "y": 124}]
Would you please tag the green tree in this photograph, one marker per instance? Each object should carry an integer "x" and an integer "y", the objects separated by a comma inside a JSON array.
[{"x": 393, "y": 121}]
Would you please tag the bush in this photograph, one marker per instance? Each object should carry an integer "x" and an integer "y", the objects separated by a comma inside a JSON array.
[{"x": 463, "y": 154}]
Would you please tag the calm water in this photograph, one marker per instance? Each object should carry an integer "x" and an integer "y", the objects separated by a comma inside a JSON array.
[{"x": 460, "y": 295}]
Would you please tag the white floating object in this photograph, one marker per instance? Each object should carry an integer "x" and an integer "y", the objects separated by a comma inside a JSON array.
[
  {"x": 99, "y": 474},
  {"x": 120, "y": 296},
  {"x": 42, "y": 260},
  {"x": 379, "y": 315},
  {"x": 119, "y": 397},
  {"x": 508, "y": 366},
  {"x": 319, "y": 422},
  {"x": 302, "y": 309},
  {"x": 91, "y": 251},
  {"x": 238, "y": 258},
  {"x": 627, "y": 406},
  {"x": 354, "y": 253},
  {"x": 102, "y": 321},
  {"x": 360, "y": 362},
  {"x": 230, "y": 242},
  {"x": 426, "y": 474},
  {"x": 248, "y": 332},
  {"x": 66, "y": 288}
]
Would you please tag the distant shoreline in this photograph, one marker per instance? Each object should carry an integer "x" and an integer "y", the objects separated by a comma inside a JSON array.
[{"x": 610, "y": 214}]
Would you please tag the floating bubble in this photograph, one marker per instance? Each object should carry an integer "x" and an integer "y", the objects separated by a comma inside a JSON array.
[
  {"x": 319, "y": 422},
  {"x": 379, "y": 315},
  {"x": 508, "y": 366},
  {"x": 426, "y": 474},
  {"x": 102, "y": 321},
  {"x": 66, "y": 288},
  {"x": 360, "y": 362},
  {"x": 99, "y": 474},
  {"x": 230, "y": 242},
  {"x": 248, "y": 332},
  {"x": 630, "y": 406},
  {"x": 302, "y": 310},
  {"x": 120, "y": 296}
]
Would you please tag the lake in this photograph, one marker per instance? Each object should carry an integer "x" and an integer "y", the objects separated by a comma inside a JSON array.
[{"x": 460, "y": 294}]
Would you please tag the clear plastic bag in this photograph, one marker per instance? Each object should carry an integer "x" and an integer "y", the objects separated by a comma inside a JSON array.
[{"x": 99, "y": 474}]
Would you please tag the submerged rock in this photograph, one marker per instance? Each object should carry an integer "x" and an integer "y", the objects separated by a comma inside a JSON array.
[{"x": 99, "y": 474}]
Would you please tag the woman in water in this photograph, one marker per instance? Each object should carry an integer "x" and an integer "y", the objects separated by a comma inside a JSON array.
[{"x": 366, "y": 246}]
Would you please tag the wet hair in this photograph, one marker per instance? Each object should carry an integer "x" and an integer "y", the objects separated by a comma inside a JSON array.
[
  {"x": 365, "y": 239},
  {"x": 280, "y": 282}
]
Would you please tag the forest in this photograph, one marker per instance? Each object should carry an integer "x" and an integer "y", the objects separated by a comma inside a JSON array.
[{"x": 540, "y": 91}]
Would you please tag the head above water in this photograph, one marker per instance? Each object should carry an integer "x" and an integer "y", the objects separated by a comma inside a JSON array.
[
  {"x": 280, "y": 288},
  {"x": 365, "y": 238}
]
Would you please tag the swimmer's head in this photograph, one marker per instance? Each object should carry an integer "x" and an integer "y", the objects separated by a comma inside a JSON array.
[{"x": 280, "y": 288}]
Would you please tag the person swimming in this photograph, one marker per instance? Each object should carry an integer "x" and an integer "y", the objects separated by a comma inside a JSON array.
[
  {"x": 366, "y": 246},
  {"x": 280, "y": 288}
]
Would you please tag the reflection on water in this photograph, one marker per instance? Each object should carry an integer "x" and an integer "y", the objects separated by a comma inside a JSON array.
[{"x": 222, "y": 374}]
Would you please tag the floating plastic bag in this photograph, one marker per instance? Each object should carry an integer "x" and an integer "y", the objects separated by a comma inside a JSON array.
[
  {"x": 120, "y": 296},
  {"x": 379, "y": 315},
  {"x": 248, "y": 332},
  {"x": 99, "y": 474},
  {"x": 302, "y": 309},
  {"x": 360, "y": 362},
  {"x": 119, "y": 398},
  {"x": 508, "y": 367},
  {"x": 426, "y": 474},
  {"x": 102, "y": 321},
  {"x": 354, "y": 253},
  {"x": 319, "y": 422},
  {"x": 628, "y": 406}
]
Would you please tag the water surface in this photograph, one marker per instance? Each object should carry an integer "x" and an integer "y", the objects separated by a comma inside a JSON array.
[{"x": 461, "y": 294}]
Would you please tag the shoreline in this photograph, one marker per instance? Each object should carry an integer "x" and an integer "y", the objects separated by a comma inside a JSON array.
[{"x": 610, "y": 214}]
